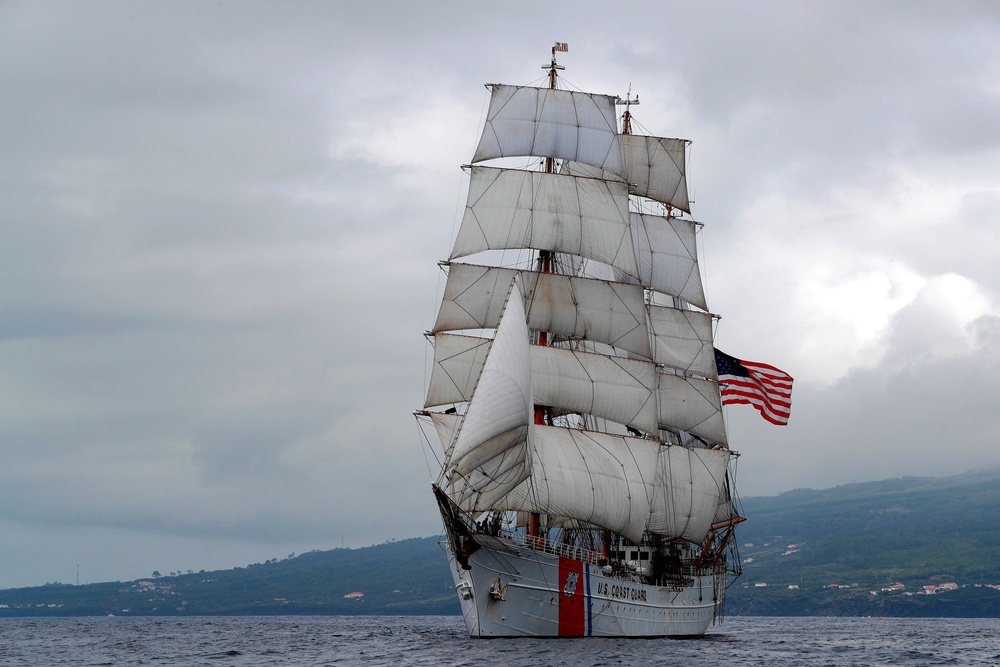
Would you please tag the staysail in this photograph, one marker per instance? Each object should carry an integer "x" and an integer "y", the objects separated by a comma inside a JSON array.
[{"x": 488, "y": 458}]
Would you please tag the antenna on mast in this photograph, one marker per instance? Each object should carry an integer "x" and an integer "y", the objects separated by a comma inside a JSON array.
[
  {"x": 627, "y": 116},
  {"x": 562, "y": 47}
]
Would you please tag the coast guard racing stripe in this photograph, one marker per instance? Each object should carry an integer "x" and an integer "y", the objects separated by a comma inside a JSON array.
[{"x": 572, "y": 598}]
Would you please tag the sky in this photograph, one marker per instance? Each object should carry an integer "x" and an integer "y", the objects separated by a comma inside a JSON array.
[{"x": 220, "y": 223}]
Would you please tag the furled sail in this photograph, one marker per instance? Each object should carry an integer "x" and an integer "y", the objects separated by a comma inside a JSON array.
[
  {"x": 544, "y": 122},
  {"x": 514, "y": 209},
  {"x": 488, "y": 457}
]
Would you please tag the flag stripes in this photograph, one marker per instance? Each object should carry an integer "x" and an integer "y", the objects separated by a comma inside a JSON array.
[{"x": 763, "y": 386}]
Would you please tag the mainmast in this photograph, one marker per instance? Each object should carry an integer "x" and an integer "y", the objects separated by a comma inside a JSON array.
[
  {"x": 545, "y": 256},
  {"x": 545, "y": 266}
]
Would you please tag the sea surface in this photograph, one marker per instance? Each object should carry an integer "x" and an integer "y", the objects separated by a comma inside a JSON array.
[{"x": 442, "y": 640}]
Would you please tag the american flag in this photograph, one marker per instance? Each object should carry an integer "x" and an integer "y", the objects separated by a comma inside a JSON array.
[
  {"x": 760, "y": 385},
  {"x": 561, "y": 46}
]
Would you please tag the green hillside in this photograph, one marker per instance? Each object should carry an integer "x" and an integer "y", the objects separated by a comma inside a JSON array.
[
  {"x": 805, "y": 552},
  {"x": 400, "y": 578},
  {"x": 838, "y": 545}
]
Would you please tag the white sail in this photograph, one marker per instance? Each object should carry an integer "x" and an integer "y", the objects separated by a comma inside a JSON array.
[
  {"x": 514, "y": 209},
  {"x": 622, "y": 390},
  {"x": 545, "y": 122},
  {"x": 602, "y": 479},
  {"x": 667, "y": 252},
  {"x": 599, "y": 310},
  {"x": 585, "y": 308},
  {"x": 693, "y": 405},
  {"x": 458, "y": 362},
  {"x": 690, "y": 482},
  {"x": 654, "y": 168},
  {"x": 479, "y": 490},
  {"x": 682, "y": 339},
  {"x": 447, "y": 426},
  {"x": 616, "y": 388},
  {"x": 500, "y": 414}
]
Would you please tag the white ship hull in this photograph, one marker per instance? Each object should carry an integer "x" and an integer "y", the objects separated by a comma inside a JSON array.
[{"x": 511, "y": 590}]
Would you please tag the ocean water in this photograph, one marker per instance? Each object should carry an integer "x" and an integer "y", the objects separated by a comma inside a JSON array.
[{"x": 441, "y": 640}]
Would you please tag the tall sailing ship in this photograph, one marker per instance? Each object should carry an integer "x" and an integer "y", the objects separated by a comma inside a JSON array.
[{"x": 585, "y": 483}]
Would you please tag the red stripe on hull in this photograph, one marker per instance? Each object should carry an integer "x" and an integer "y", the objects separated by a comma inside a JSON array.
[{"x": 572, "y": 598}]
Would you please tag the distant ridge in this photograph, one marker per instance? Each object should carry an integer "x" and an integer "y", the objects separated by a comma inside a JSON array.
[
  {"x": 859, "y": 538},
  {"x": 404, "y": 577},
  {"x": 839, "y": 545}
]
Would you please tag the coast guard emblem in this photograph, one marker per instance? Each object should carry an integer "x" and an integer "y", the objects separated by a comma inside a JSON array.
[{"x": 570, "y": 588}]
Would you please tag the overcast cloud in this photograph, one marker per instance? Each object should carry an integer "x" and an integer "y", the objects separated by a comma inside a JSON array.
[{"x": 219, "y": 225}]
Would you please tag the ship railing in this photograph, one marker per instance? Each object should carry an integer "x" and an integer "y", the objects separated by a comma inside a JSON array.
[{"x": 556, "y": 548}]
